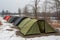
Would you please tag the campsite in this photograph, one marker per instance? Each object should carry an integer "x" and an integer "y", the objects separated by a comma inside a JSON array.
[
  {"x": 12, "y": 32},
  {"x": 29, "y": 19}
]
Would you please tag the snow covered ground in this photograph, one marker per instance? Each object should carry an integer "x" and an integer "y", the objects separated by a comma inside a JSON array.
[{"x": 11, "y": 35}]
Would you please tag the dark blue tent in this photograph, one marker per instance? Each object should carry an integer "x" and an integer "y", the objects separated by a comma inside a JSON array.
[
  {"x": 12, "y": 19},
  {"x": 17, "y": 22}
]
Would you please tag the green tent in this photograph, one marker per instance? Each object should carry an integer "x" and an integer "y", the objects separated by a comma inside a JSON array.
[
  {"x": 33, "y": 26},
  {"x": 23, "y": 23},
  {"x": 30, "y": 28},
  {"x": 45, "y": 27}
]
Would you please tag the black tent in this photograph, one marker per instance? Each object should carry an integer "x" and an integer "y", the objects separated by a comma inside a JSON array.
[
  {"x": 15, "y": 18},
  {"x": 18, "y": 21}
]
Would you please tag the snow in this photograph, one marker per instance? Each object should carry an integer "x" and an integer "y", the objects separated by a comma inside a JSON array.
[{"x": 11, "y": 35}]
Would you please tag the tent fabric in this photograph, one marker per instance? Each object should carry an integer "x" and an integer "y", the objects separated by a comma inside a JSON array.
[
  {"x": 30, "y": 28},
  {"x": 24, "y": 22},
  {"x": 35, "y": 27},
  {"x": 16, "y": 23},
  {"x": 15, "y": 18},
  {"x": 7, "y": 18},
  {"x": 41, "y": 24},
  {"x": 11, "y": 19},
  {"x": 48, "y": 28},
  {"x": 45, "y": 27}
]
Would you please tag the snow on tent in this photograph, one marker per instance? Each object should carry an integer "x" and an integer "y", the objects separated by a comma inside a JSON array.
[
  {"x": 7, "y": 18},
  {"x": 16, "y": 23},
  {"x": 34, "y": 27}
]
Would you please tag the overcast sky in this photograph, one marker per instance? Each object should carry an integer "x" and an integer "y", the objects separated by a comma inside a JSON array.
[{"x": 13, "y": 5}]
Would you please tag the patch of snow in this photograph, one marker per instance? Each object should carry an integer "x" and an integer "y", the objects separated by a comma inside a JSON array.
[{"x": 58, "y": 29}]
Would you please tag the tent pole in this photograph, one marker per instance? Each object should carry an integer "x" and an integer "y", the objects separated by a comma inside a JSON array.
[
  {"x": 44, "y": 26},
  {"x": 38, "y": 25}
]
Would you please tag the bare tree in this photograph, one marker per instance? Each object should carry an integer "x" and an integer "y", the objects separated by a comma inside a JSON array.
[
  {"x": 57, "y": 3},
  {"x": 3, "y": 12},
  {"x": 36, "y": 8},
  {"x": 49, "y": 7},
  {"x": 46, "y": 10},
  {"x": 19, "y": 12},
  {"x": 25, "y": 11}
]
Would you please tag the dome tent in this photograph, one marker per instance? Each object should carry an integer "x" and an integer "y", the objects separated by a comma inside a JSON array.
[
  {"x": 24, "y": 22},
  {"x": 16, "y": 23},
  {"x": 45, "y": 27},
  {"x": 35, "y": 27},
  {"x": 12, "y": 19},
  {"x": 30, "y": 28},
  {"x": 15, "y": 19},
  {"x": 7, "y": 17}
]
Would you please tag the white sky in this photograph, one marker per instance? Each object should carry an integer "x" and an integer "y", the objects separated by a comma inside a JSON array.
[{"x": 12, "y": 5}]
